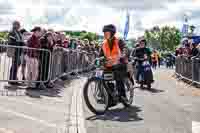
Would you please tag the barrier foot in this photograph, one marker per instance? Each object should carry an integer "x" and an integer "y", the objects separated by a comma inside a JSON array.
[
  {"x": 190, "y": 85},
  {"x": 180, "y": 78},
  {"x": 174, "y": 75}
]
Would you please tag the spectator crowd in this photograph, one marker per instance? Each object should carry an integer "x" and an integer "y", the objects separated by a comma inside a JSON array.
[
  {"x": 188, "y": 49},
  {"x": 187, "y": 61},
  {"x": 34, "y": 66}
]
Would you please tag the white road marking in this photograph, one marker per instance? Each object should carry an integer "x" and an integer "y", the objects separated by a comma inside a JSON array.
[
  {"x": 33, "y": 104},
  {"x": 77, "y": 122},
  {"x": 73, "y": 113},
  {"x": 4, "y": 130},
  {"x": 81, "y": 120},
  {"x": 54, "y": 99},
  {"x": 24, "y": 116},
  {"x": 195, "y": 127}
]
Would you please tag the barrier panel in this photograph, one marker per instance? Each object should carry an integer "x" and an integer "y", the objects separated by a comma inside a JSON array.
[
  {"x": 24, "y": 64},
  {"x": 188, "y": 69},
  {"x": 31, "y": 66},
  {"x": 3, "y": 49},
  {"x": 65, "y": 61},
  {"x": 196, "y": 70}
]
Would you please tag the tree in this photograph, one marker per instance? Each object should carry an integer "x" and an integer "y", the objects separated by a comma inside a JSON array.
[
  {"x": 131, "y": 42},
  {"x": 3, "y": 35},
  {"x": 82, "y": 35},
  {"x": 152, "y": 37},
  {"x": 90, "y": 36},
  {"x": 165, "y": 38},
  {"x": 170, "y": 38}
]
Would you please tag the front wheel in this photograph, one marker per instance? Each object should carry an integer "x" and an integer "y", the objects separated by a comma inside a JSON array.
[{"x": 100, "y": 94}]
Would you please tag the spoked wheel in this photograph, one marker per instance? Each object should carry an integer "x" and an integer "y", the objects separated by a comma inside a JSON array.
[
  {"x": 96, "y": 96},
  {"x": 129, "y": 87}
]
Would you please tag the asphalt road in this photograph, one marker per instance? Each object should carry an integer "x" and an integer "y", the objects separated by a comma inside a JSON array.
[{"x": 169, "y": 108}]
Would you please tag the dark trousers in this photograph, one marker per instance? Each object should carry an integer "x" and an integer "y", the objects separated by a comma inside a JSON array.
[
  {"x": 121, "y": 87},
  {"x": 139, "y": 71},
  {"x": 14, "y": 67},
  {"x": 44, "y": 68}
]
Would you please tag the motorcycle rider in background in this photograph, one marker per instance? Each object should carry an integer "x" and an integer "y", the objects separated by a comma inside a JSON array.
[{"x": 142, "y": 52}]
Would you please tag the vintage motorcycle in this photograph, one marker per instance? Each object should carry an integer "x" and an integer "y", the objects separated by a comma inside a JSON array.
[{"x": 104, "y": 91}]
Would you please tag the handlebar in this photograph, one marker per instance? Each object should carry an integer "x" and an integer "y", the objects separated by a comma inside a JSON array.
[
  {"x": 133, "y": 60},
  {"x": 104, "y": 59},
  {"x": 136, "y": 58}
]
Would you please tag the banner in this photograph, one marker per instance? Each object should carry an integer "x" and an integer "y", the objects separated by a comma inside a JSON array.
[
  {"x": 185, "y": 29},
  {"x": 126, "y": 29}
]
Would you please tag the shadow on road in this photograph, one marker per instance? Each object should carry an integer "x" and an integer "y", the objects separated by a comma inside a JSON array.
[
  {"x": 56, "y": 91},
  {"x": 121, "y": 115},
  {"x": 49, "y": 92},
  {"x": 14, "y": 87},
  {"x": 152, "y": 90},
  {"x": 14, "y": 90},
  {"x": 53, "y": 92}
]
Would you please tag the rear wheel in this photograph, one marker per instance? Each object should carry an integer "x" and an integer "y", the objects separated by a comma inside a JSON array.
[
  {"x": 129, "y": 88},
  {"x": 99, "y": 105}
]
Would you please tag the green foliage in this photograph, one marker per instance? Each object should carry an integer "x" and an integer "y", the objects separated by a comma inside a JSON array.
[
  {"x": 74, "y": 34},
  {"x": 131, "y": 42},
  {"x": 164, "y": 39},
  {"x": 82, "y": 35},
  {"x": 90, "y": 36},
  {"x": 3, "y": 35}
]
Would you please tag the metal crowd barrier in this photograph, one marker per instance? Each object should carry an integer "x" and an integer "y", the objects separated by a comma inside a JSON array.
[
  {"x": 18, "y": 65},
  {"x": 188, "y": 69},
  {"x": 3, "y": 49},
  {"x": 66, "y": 61},
  {"x": 30, "y": 66},
  {"x": 24, "y": 64}
]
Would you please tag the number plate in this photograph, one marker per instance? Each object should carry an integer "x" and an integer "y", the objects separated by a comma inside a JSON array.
[{"x": 99, "y": 73}]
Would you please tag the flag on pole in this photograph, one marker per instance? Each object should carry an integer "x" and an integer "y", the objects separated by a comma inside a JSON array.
[
  {"x": 126, "y": 29},
  {"x": 185, "y": 29}
]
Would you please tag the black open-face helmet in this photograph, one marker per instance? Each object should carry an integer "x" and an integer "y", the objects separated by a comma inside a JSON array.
[
  {"x": 110, "y": 28},
  {"x": 137, "y": 45},
  {"x": 143, "y": 40}
]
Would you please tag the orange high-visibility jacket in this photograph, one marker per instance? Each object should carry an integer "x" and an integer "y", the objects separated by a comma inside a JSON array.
[{"x": 113, "y": 54}]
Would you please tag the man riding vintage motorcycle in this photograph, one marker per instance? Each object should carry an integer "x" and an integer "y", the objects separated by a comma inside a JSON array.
[
  {"x": 111, "y": 81},
  {"x": 115, "y": 53}
]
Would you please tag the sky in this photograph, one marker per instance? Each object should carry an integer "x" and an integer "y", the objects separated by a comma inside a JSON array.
[{"x": 91, "y": 15}]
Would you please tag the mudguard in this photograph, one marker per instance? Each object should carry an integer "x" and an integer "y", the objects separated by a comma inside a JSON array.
[{"x": 148, "y": 76}]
